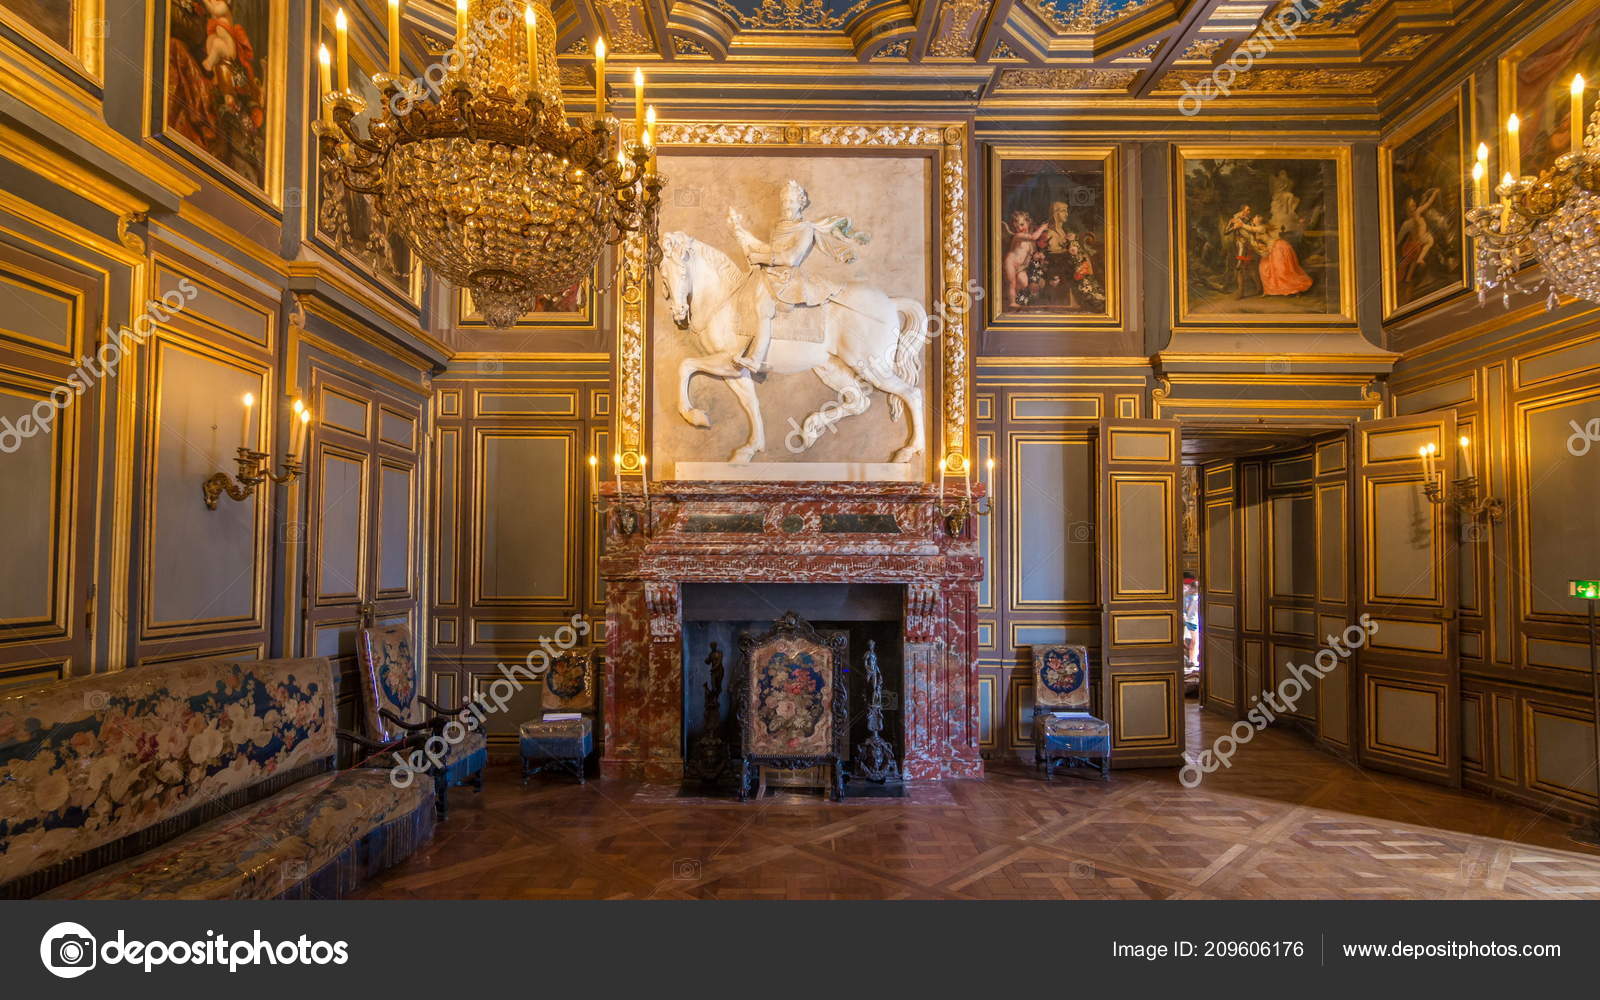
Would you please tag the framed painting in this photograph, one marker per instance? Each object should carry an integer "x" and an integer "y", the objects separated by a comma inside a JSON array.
[
  {"x": 573, "y": 309},
  {"x": 72, "y": 31},
  {"x": 1422, "y": 201},
  {"x": 1535, "y": 81},
  {"x": 1263, "y": 236},
  {"x": 1054, "y": 245},
  {"x": 224, "y": 86},
  {"x": 349, "y": 220}
]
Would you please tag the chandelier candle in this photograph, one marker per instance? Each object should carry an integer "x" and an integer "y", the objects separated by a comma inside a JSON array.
[
  {"x": 394, "y": 37},
  {"x": 325, "y": 70},
  {"x": 1577, "y": 113},
  {"x": 483, "y": 175},
  {"x": 1514, "y": 146},
  {"x": 638, "y": 101},
  {"x": 599, "y": 77}
]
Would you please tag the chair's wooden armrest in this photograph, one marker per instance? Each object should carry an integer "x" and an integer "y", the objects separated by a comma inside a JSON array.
[
  {"x": 429, "y": 726},
  {"x": 439, "y": 709}
]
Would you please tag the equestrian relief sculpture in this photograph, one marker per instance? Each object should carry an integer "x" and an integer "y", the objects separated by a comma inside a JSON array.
[{"x": 853, "y": 337}]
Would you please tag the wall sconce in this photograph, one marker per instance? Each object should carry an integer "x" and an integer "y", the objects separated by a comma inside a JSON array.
[
  {"x": 255, "y": 467},
  {"x": 1462, "y": 494},
  {"x": 627, "y": 512},
  {"x": 956, "y": 513}
]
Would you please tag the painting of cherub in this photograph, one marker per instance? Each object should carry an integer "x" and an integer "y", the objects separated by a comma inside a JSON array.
[
  {"x": 1049, "y": 235},
  {"x": 217, "y": 84}
]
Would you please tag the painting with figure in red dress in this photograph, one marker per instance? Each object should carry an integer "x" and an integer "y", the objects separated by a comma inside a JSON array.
[
  {"x": 1262, "y": 238},
  {"x": 217, "y": 85}
]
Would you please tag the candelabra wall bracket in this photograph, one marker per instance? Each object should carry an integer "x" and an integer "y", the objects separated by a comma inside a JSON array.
[
  {"x": 1462, "y": 494},
  {"x": 254, "y": 469},
  {"x": 956, "y": 514}
]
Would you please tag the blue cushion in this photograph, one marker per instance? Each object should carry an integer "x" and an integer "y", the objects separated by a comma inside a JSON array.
[
  {"x": 561, "y": 738},
  {"x": 1074, "y": 733}
]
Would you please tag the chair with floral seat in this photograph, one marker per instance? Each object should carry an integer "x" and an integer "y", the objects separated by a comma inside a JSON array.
[
  {"x": 394, "y": 706},
  {"x": 564, "y": 735},
  {"x": 1064, "y": 729}
]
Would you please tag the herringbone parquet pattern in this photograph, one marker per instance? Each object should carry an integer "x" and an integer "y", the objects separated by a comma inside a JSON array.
[{"x": 1286, "y": 822}]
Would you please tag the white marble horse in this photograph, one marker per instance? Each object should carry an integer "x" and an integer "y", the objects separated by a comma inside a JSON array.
[{"x": 867, "y": 337}]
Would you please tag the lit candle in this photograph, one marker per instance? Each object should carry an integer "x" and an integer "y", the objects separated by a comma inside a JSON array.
[
  {"x": 394, "y": 38},
  {"x": 989, "y": 486},
  {"x": 1466, "y": 456},
  {"x": 244, "y": 428},
  {"x": 638, "y": 101},
  {"x": 966, "y": 475},
  {"x": 1577, "y": 113},
  {"x": 644, "y": 475},
  {"x": 1479, "y": 180},
  {"x": 341, "y": 41},
  {"x": 461, "y": 21},
  {"x": 1514, "y": 146},
  {"x": 594, "y": 475},
  {"x": 616, "y": 465},
  {"x": 295, "y": 427},
  {"x": 533, "y": 49},
  {"x": 1505, "y": 203},
  {"x": 650, "y": 134},
  {"x": 944, "y": 468},
  {"x": 325, "y": 65},
  {"x": 1481, "y": 173},
  {"x": 305, "y": 432},
  {"x": 600, "y": 77}
]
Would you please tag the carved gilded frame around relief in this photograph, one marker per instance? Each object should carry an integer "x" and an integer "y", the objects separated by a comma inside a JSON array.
[{"x": 947, "y": 142}]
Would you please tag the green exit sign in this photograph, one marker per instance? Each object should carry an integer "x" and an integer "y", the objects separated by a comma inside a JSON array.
[{"x": 1589, "y": 590}]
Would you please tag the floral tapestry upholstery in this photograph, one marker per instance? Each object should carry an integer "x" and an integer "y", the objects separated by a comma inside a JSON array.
[
  {"x": 559, "y": 729},
  {"x": 1061, "y": 678},
  {"x": 91, "y": 760},
  {"x": 791, "y": 697},
  {"x": 389, "y": 680},
  {"x": 569, "y": 684},
  {"x": 273, "y": 847}
]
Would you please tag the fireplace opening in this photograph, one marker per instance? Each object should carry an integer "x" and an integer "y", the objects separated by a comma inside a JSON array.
[{"x": 722, "y": 612}]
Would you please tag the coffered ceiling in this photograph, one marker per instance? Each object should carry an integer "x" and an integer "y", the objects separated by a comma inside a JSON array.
[{"x": 771, "y": 52}]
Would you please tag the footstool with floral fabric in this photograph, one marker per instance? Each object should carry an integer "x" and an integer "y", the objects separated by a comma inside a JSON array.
[{"x": 564, "y": 735}]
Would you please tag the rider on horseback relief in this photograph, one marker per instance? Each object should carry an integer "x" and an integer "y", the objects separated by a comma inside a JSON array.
[{"x": 780, "y": 262}]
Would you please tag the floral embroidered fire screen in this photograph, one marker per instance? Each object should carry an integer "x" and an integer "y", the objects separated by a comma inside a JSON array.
[{"x": 792, "y": 700}]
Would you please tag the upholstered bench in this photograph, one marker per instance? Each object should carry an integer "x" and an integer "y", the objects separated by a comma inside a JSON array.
[{"x": 202, "y": 780}]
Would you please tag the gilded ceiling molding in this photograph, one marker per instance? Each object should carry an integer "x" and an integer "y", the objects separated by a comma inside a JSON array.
[
  {"x": 627, "y": 30},
  {"x": 955, "y": 302},
  {"x": 1303, "y": 80},
  {"x": 1067, "y": 78},
  {"x": 1085, "y": 16},
  {"x": 792, "y": 15},
  {"x": 957, "y": 28}
]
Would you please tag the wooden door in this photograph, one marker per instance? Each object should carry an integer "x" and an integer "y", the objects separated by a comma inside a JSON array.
[
  {"x": 1406, "y": 665},
  {"x": 1140, "y": 679},
  {"x": 1221, "y": 675},
  {"x": 1335, "y": 535}
]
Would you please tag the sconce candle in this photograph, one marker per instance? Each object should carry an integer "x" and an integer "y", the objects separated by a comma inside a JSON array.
[
  {"x": 341, "y": 42},
  {"x": 1466, "y": 457},
  {"x": 600, "y": 77},
  {"x": 616, "y": 465},
  {"x": 644, "y": 476},
  {"x": 305, "y": 432},
  {"x": 989, "y": 486},
  {"x": 594, "y": 476},
  {"x": 944, "y": 468},
  {"x": 394, "y": 38},
  {"x": 245, "y": 441},
  {"x": 325, "y": 66}
]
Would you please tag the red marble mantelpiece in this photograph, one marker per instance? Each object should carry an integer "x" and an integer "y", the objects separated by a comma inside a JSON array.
[{"x": 790, "y": 532}]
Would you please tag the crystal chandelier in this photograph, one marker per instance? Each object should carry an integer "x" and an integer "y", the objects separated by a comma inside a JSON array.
[
  {"x": 1552, "y": 219},
  {"x": 476, "y": 166}
]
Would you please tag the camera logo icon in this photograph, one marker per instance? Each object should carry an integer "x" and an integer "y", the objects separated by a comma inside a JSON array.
[{"x": 68, "y": 950}]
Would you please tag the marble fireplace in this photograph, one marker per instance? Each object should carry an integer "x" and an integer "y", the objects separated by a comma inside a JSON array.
[{"x": 870, "y": 538}]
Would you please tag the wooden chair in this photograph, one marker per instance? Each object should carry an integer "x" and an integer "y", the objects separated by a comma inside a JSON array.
[
  {"x": 1064, "y": 730},
  {"x": 562, "y": 742},
  {"x": 792, "y": 701},
  {"x": 394, "y": 706}
]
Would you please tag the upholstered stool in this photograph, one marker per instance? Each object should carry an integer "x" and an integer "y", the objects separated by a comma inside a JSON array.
[
  {"x": 564, "y": 735},
  {"x": 1074, "y": 737}
]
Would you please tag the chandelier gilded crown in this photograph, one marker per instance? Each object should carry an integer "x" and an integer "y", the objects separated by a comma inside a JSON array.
[
  {"x": 1552, "y": 219},
  {"x": 477, "y": 167}
]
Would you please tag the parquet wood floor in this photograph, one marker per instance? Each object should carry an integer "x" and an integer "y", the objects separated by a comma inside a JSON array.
[{"x": 1286, "y": 822}]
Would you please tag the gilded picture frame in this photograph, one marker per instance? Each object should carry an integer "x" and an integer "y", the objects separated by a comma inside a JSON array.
[
  {"x": 358, "y": 210},
  {"x": 1072, "y": 197},
  {"x": 77, "y": 41},
  {"x": 1306, "y": 173},
  {"x": 1535, "y": 75},
  {"x": 1432, "y": 146},
  {"x": 575, "y": 311},
  {"x": 951, "y": 289},
  {"x": 179, "y": 119}
]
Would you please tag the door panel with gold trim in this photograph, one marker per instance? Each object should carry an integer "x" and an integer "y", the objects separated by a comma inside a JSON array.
[
  {"x": 1141, "y": 669},
  {"x": 1408, "y": 685}
]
